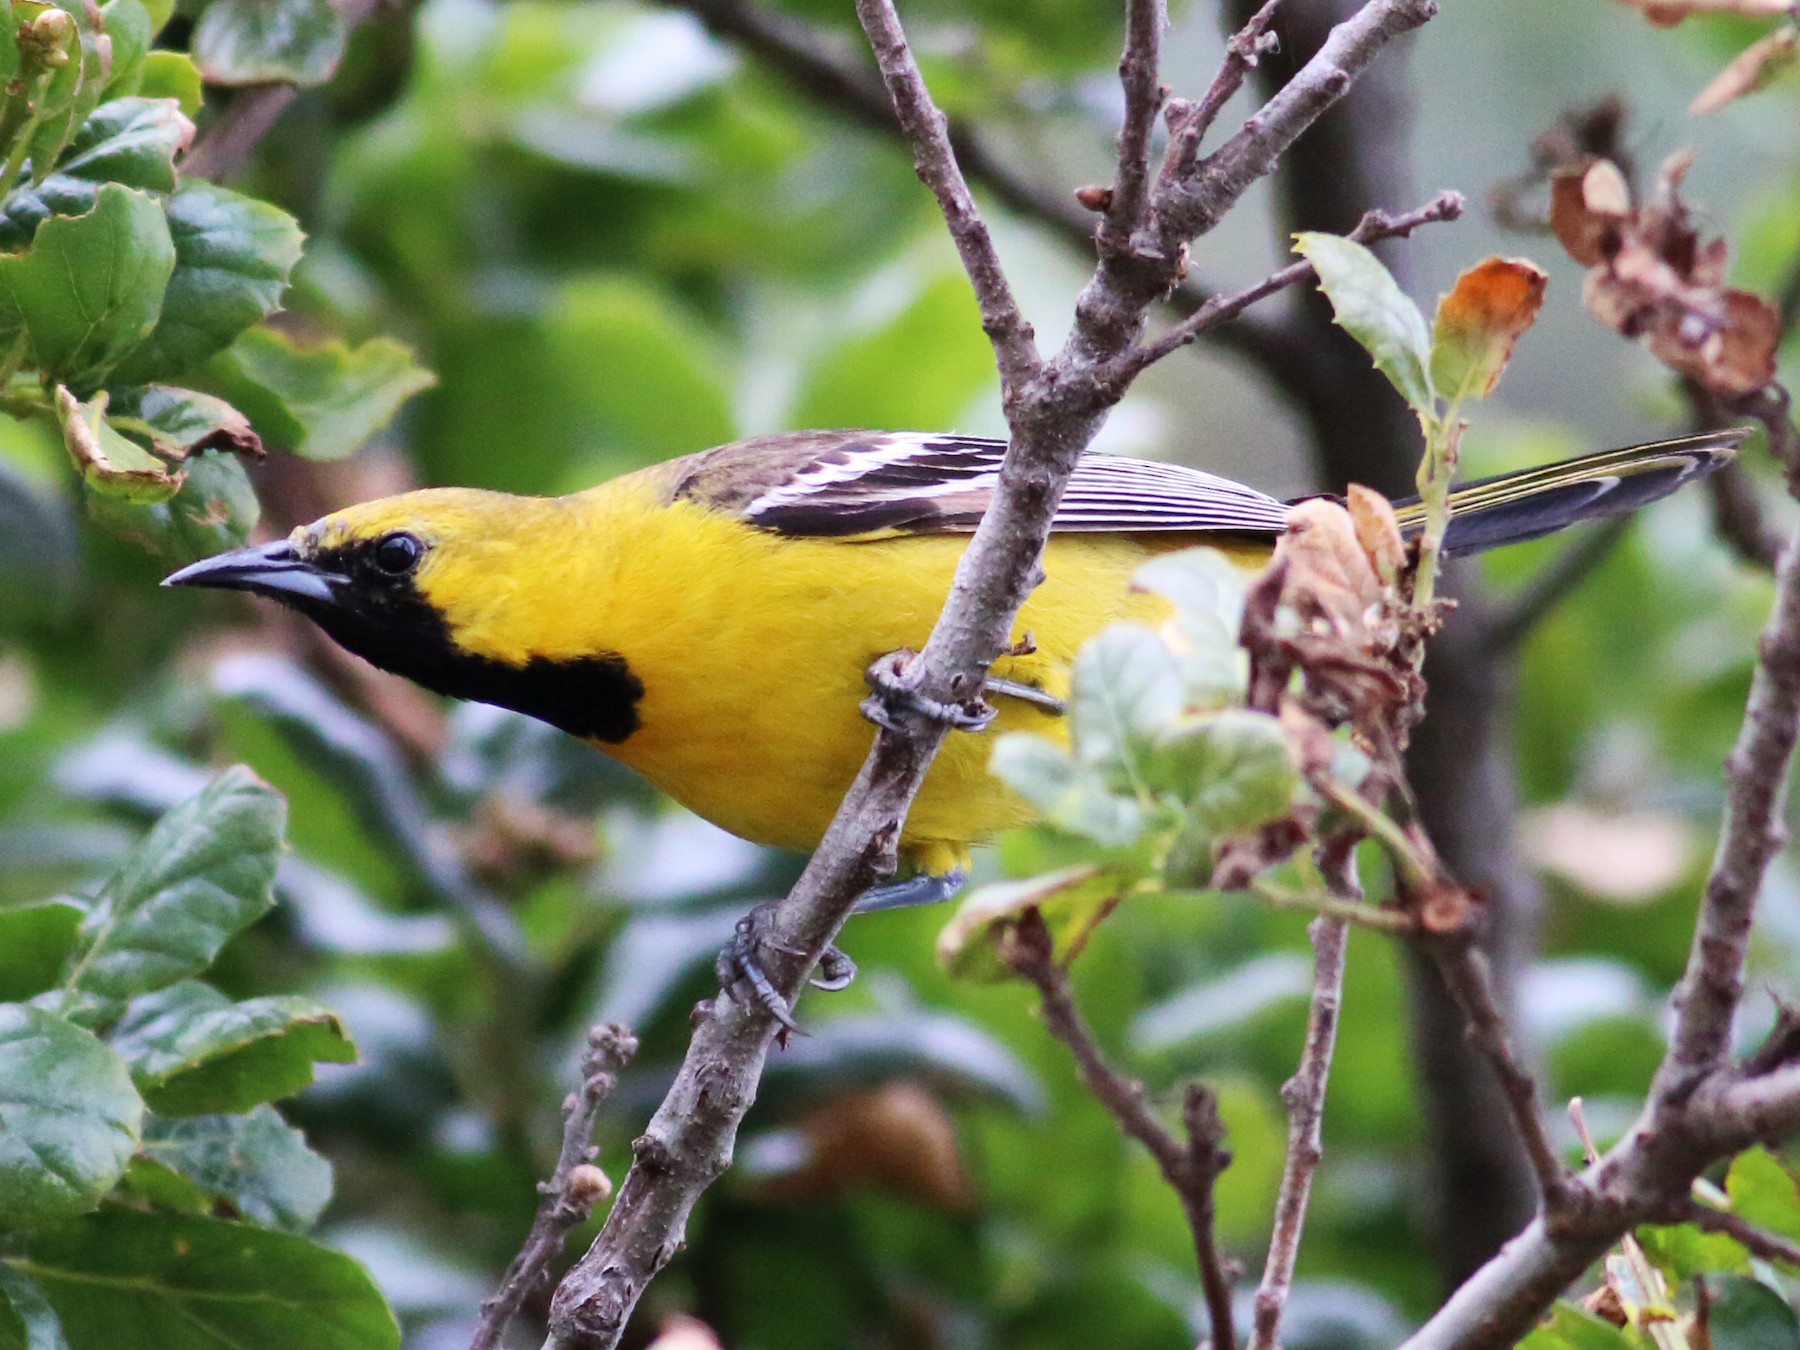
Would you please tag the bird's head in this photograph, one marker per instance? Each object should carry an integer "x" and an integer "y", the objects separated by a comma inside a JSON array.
[{"x": 450, "y": 587}]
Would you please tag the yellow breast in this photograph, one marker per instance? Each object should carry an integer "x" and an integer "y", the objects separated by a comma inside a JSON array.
[{"x": 751, "y": 648}]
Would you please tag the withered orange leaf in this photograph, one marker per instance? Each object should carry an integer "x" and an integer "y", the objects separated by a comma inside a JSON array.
[{"x": 1478, "y": 322}]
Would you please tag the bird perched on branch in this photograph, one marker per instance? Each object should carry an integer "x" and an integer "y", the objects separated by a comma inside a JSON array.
[{"x": 709, "y": 620}]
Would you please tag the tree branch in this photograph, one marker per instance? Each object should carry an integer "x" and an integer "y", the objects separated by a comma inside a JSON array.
[
  {"x": 1304, "y": 1097},
  {"x": 1191, "y": 1168},
  {"x": 1706, "y": 1000},
  {"x": 1218, "y": 309},
  {"x": 837, "y": 82},
  {"x": 1702, "y": 1107},
  {"x": 574, "y": 1188},
  {"x": 1054, "y": 409},
  {"x": 1758, "y": 1241},
  {"x": 927, "y": 131}
]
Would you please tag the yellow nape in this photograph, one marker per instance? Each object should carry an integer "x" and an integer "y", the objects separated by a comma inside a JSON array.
[{"x": 751, "y": 646}]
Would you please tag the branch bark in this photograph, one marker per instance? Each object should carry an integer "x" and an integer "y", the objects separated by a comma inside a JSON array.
[
  {"x": 1702, "y": 1106},
  {"x": 1304, "y": 1097},
  {"x": 574, "y": 1188},
  {"x": 1054, "y": 408},
  {"x": 1192, "y": 1168}
]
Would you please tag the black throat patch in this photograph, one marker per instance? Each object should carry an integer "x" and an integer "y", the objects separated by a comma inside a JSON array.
[{"x": 388, "y": 623}]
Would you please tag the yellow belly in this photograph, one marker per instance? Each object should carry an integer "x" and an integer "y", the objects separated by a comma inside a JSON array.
[{"x": 753, "y": 672}]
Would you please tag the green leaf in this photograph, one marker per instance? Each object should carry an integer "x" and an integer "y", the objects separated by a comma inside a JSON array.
[
  {"x": 193, "y": 1051},
  {"x": 69, "y": 1117},
  {"x": 1071, "y": 901},
  {"x": 1748, "y": 1315},
  {"x": 127, "y": 1281},
  {"x": 1232, "y": 769},
  {"x": 233, "y": 255},
  {"x": 34, "y": 940},
  {"x": 1763, "y": 1193},
  {"x": 1684, "y": 1250},
  {"x": 264, "y": 41},
  {"x": 258, "y": 1163},
  {"x": 112, "y": 468},
  {"x": 1126, "y": 691},
  {"x": 1206, "y": 590},
  {"x": 173, "y": 75},
  {"x": 214, "y": 510},
  {"x": 202, "y": 874},
  {"x": 1069, "y": 794},
  {"x": 92, "y": 286},
  {"x": 129, "y": 141},
  {"x": 322, "y": 401},
  {"x": 32, "y": 1324},
  {"x": 180, "y": 422},
  {"x": 131, "y": 30},
  {"x": 1372, "y": 308},
  {"x": 1572, "y": 1328}
]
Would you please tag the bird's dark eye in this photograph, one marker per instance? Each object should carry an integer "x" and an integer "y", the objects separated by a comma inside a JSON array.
[{"x": 397, "y": 554}]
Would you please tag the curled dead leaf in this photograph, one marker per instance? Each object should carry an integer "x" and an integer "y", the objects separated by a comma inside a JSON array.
[
  {"x": 1747, "y": 72},
  {"x": 1588, "y": 204},
  {"x": 1330, "y": 577},
  {"x": 1377, "y": 531},
  {"x": 1653, "y": 278}
]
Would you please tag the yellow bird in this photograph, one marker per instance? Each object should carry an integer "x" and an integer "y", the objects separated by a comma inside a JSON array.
[{"x": 708, "y": 621}]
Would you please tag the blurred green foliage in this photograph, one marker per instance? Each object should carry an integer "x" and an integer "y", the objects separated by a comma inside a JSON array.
[{"x": 611, "y": 239}]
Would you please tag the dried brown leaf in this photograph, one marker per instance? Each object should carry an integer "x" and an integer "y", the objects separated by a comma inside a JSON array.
[
  {"x": 1587, "y": 206},
  {"x": 1747, "y": 72},
  {"x": 1377, "y": 531},
  {"x": 1329, "y": 576}
]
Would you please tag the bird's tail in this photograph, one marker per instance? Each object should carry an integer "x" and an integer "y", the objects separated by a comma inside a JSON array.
[{"x": 1511, "y": 507}]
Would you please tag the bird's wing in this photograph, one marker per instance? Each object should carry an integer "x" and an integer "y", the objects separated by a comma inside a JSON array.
[{"x": 858, "y": 485}]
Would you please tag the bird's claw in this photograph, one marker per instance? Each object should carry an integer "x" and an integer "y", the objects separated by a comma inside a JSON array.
[
  {"x": 893, "y": 692},
  {"x": 739, "y": 967}
]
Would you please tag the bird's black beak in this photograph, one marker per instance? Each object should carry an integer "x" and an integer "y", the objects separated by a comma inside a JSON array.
[{"x": 274, "y": 570}]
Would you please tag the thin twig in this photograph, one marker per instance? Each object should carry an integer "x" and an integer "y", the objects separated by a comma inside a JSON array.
[
  {"x": 1190, "y": 1168},
  {"x": 1304, "y": 1097},
  {"x": 1758, "y": 1241},
  {"x": 1738, "y": 518},
  {"x": 1190, "y": 122},
  {"x": 1706, "y": 1000},
  {"x": 1465, "y": 970},
  {"x": 1140, "y": 76},
  {"x": 815, "y": 68},
  {"x": 574, "y": 1188},
  {"x": 927, "y": 131},
  {"x": 1553, "y": 583},
  {"x": 1374, "y": 226}
]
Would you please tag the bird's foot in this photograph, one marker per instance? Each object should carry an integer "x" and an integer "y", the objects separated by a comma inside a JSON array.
[
  {"x": 894, "y": 691},
  {"x": 739, "y": 967}
]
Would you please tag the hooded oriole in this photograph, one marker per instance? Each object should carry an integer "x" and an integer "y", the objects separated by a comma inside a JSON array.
[{"x": 709, "y": 620}]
